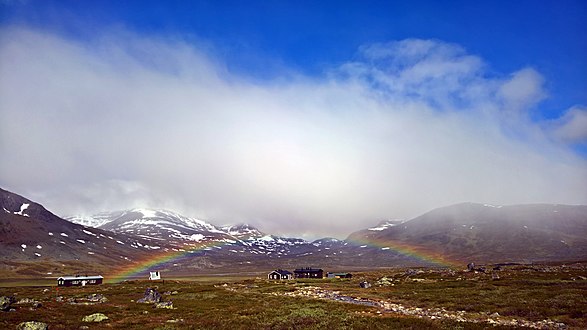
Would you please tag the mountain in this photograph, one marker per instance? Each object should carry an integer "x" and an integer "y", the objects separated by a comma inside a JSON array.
[
  {"x": 488, "y": 233},
  {"x": 31, "y": 236},
  {"x": 243, "y": 231},
  {"x": 34, "y": 241},
  {"x": 156, "y": 224}
]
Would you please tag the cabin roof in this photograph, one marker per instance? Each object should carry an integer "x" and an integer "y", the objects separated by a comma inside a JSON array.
[
  {"x": 308, "y": 270},
  {"x": 71, "y": 278},
  {"x": 281, "y": 272}
]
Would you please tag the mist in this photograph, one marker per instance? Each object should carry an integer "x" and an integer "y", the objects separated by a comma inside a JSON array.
[{"x": 123, "y": 120}]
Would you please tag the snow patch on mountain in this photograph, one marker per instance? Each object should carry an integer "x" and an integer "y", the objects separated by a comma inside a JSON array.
[{"x": 387, "y": 224}]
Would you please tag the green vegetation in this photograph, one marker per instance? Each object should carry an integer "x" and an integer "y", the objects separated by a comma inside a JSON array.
[{"x": 534, "y": 294}]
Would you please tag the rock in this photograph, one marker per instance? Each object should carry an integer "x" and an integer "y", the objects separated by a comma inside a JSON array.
[
  {"x": 59, "y": 299},
  {"x": 164, "y": 304},
  {"x": 84, "y": 327},
  {"x": 151, "y": 296},
  {"x": 96, "y": 297},
  {"x": 32, "y": 325},
  {"x": 471, "y": 266},
  {"x": 26, "y": 301},
  {"x": 365, "y": 285},
  {"x": 5, "y": 302},
  {"x": 96, "y": 317}
]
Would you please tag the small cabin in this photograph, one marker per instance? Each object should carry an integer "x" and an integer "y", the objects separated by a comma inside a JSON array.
[
  {"x": 308, "y": 272},
  {"x": 339, "y": 275},
  {"x": 154, "y": 276},
  {"x": 79, "y": 280},
  {"x": 280, "y": 274}
]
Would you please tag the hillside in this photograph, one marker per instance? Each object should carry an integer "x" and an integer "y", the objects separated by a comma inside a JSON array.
[{"x": 487, "y": 233}]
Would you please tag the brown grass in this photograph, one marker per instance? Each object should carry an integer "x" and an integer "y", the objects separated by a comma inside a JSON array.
[{"x": 250, "y": 303}]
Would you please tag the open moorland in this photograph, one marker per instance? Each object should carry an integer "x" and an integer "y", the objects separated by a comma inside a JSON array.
[{"x": 517, "y": 296}]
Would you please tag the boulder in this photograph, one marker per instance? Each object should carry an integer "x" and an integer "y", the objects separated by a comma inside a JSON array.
[
  {"x": 5, "y": 303},
  {"x": 151, "y": 296},
  {"x": 365, "y": 285},
  {"x": 96, "y": 297},
  {"x": 96, "y": 317},
  {"x": 32, "y": 325},
  {"x": 164, "y": 304}
]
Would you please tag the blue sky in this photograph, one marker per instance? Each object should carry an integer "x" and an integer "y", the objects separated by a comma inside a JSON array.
[
  {"x": 256, "y": 37},
  {"x": 293, "y": 115}
]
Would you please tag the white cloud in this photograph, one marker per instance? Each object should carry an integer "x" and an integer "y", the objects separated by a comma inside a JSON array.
[
  {"x": 129, "y": 121},
  {"x": 572, "y": 127},
  {"x": 523, "y": 90}
]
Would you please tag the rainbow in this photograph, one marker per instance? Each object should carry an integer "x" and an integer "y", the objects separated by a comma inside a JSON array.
[
  {"x": 416, "y": 253},
  {"x": 159, "y": 259}
]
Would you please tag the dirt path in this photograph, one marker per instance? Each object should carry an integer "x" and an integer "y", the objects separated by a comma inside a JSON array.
[{"x": 431, "y": 313}]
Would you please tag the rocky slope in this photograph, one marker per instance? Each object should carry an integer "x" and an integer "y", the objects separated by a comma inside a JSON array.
[{"x": 31, "y": 234}]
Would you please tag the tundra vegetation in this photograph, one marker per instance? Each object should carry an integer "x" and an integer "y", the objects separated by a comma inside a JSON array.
[{"x": 417, "y": 298}]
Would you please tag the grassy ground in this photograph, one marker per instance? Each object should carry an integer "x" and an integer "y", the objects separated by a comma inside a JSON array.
[{"x": 214, "y": 303}]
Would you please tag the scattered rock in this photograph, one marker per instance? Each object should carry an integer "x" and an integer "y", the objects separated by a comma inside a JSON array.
[
  {"x": 5, "y": 302},
  {"x": 96, "y": 297},
  {"x": 471, "y": 266},
  {"x": 32, "y": 325},
  {"x": 384, "y": 281},
  {"x": 84, "y": 327},
  {"x": 164, "y": 304},
  {"x": 96, "y": 317},
  {"x": 151, "y": 296},
  {"x": 26, "y": 301}
]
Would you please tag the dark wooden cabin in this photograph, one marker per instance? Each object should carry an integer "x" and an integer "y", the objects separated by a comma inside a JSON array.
[
  {"x": 79, "y": 280},
  {"x": 308, "y": 273}
]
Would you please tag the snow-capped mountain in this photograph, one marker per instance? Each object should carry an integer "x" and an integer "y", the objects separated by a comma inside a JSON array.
[
  {"x": 32, "y": 235},
  {"x": 160, "y": 224},
  {"x": 185, "y": 231},
  {"x": 242, "y": 231},
  {"x": 93, "y": 221}
]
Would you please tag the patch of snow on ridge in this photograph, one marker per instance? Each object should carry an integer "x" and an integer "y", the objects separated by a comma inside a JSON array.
[
  {"x": 196, "y": 237},
  {"x": 146, "y": 213},
  {"x": 64, "y": 235},
  {"x": 88, "y": 232},
  {"x": 494, "y": 206},
  {"x": 23, "y": 246},
  {"x": 23, "y": 207},
  {"x": 387, "y": 224}
]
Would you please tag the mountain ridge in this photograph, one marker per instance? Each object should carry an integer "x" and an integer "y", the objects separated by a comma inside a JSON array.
[{"x": 462, "y": 233}]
